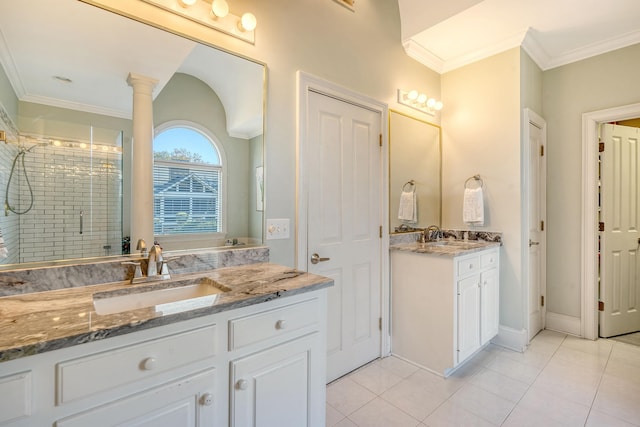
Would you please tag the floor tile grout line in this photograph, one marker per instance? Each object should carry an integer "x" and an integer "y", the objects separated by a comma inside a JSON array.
[
  {"x": 534, "y": 380},
  {"x": 595, "y": 396}
]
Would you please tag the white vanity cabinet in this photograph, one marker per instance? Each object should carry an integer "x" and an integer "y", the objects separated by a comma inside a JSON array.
[
  {"x": 444, "y": 308},
  {"x": 258, "y": 365},
  {"x": 278, "y": 385}
]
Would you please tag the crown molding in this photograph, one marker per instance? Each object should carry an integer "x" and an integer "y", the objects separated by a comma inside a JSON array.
[
  {"x": 77, "y": 106},
  {"x": 510, "y": 42},
  {"x": 423, "y": 56},
  {"x": 594, "y": 49},
  {"x": 535, "y": 51},
  {"x": 528, "y": 42}
]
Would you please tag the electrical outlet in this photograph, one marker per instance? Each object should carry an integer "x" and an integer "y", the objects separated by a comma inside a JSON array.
[{"x": 277, "y": 229}]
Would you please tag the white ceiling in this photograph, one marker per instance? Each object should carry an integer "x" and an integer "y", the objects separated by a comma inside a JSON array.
[
  {"x": 96, "y": 50},
  {"x": 445, "y": 35}
]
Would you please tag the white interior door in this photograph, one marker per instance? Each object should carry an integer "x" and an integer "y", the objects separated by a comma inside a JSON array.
[
  {"x": 537, "y": 194},
  {"x": 620, "y": 240},
  {"x": 343, "y": 159}
]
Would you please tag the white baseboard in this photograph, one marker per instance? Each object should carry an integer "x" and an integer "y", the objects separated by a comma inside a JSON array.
[
  {"x": 510, "y": 338},
  {"x": 563, "y": 323}
]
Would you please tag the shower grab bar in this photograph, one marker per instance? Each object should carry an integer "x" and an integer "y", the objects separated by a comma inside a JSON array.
[{"x": 81, "y": 216}]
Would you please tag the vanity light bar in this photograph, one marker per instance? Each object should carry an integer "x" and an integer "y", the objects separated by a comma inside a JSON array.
[
  {"x": 203, "y": 12},
  {"x": 419, "y": 101}
]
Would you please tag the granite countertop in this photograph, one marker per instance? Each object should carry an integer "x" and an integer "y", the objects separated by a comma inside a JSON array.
[
  {"x": 37, "y": 322},
  {"x": 450, "y": 248}
]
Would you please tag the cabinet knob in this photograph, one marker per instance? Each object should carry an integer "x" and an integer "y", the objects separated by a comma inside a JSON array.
[
  {"x": 148, "y": 364},
  {"x": 206, "y": 399},
  {"x": 242, "y": 384},
  {"x": 281, "y": 324},
  {"x": 470, "y": 266}
]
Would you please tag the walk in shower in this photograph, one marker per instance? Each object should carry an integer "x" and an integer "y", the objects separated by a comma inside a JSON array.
[{"x": 62, "y": 196}]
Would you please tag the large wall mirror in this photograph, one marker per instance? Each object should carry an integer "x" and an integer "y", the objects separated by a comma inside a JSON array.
[
  {"x": 66, "y": 110},
  {"x": 415, "y": 167}
]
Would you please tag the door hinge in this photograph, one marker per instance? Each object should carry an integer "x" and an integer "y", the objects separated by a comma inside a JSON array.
[
  {"x": 380, "y": 140},
  {"x": 541, "y": 150},
  {"x": 600, "y": 147},
  {"x": 541, "y": 300},
  {"x": 380, "y": 323},
  {"x": 600, "y": 305},
  {"x": 541, "y": 225},
  {"x": 381, "y": 232},
  {"x": 601, "y": 226}
]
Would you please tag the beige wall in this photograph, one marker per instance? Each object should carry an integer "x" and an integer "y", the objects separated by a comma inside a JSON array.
[
  {"x": 481, "y": 135},
  {"x": 361, "y": 51},
  {"x": 597, "y": 83}
]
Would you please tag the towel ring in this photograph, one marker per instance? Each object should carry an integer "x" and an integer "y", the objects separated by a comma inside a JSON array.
[
  {"x": 475, "y": 178},
  {"x": 412, "y": 182}
]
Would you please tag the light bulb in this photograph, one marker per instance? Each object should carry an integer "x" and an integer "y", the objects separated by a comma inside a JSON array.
[
  {"x": 431, "y": 103},
  {"x": 187, "y": 3},
  {"x": 438, "y": 106},
  {"x": 422, "y": 98},
  {"x": 248, "y": 22},
  {"x": 412, "y": 95},
  {"x": 220, "y": 8}
]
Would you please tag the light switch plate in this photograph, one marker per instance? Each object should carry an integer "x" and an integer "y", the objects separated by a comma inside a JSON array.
[{"x": 277, "y": 229}]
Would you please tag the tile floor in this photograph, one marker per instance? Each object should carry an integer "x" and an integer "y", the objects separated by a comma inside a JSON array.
[{"x": 559, "y": 381}]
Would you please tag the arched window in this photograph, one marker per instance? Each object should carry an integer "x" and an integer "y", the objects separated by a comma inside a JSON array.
[{"x": 187, "y": 182}]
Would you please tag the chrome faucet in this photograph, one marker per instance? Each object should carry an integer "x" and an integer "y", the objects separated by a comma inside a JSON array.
[{"x": 431, "y": 233}]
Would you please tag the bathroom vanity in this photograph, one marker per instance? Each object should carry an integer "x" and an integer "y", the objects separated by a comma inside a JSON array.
[
  {"x": 251, "y": 354},
  {"x": 444, "y": 301}
]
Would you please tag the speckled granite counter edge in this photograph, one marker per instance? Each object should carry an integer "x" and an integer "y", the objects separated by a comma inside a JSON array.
[
  {"x": 26, "y": 326},
  {"x": 445, "y": 250}
]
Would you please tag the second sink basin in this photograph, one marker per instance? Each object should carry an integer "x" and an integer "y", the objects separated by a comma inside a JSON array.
[{"x": 165, "y": 297}]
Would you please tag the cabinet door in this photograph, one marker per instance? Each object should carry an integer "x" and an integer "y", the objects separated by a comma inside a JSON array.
[
  {"x": 185, "y": 403},
  {"x": 273, "y": 387},
  {"x": 489, "y": 305},
  {"x": 468, "y": 316}
]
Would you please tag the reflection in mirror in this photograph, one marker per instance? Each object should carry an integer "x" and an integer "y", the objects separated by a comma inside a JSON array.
[
  {"x": 66, "y": 108},
  {"x": 414, "y": 165}
]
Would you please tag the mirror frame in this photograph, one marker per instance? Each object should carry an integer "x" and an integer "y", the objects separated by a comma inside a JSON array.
[
  {"x": 187, "y": 27},
  {"x": 392, "y": 207}
]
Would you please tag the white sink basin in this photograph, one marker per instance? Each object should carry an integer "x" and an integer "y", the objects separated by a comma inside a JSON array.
[{"x": 165, "y": 297}]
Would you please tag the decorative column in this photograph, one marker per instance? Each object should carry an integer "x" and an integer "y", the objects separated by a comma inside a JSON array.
[{"x": 141, "y": 210}]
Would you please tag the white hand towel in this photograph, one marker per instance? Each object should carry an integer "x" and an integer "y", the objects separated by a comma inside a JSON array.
[
  {"x": 408, "y": 210},
  {"x": 473, "y": 206}
]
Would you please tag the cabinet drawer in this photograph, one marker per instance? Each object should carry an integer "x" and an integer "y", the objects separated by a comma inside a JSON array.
[
  {"x": 488, "y": 259},
  {"x": 467, "y": 266},
  {"x": 244, "y": 331},
  {"x": 103, "y": 371},
  {"x": 15, "y": 391},
  {"x": 180, "y": 403}
]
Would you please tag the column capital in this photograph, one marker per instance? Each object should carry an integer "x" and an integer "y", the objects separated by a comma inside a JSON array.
[{"x": 141, "y": 83}]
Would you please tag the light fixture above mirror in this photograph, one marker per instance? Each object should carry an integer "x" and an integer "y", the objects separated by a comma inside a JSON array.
[
  {"x": 213, "y": 14},
  {"x": 419, "y": 101}
]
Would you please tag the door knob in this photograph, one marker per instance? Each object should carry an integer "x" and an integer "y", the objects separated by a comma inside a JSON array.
[
  {"x": 315, "y": 258},
  {"x": 532, "y": 243}
]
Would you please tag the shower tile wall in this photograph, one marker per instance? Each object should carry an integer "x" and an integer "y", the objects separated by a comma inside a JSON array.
[
  {"x": 66, "y": 181},
  {"x": 10, "y": 223}
]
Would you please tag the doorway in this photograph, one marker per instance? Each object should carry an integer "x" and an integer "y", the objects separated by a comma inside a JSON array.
[
  {"x": 619, "y": 236},
  {"x": 341, "y": 215},
  {"x": 590, "y": 224},
  {"x": 534, "y": 177}
]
